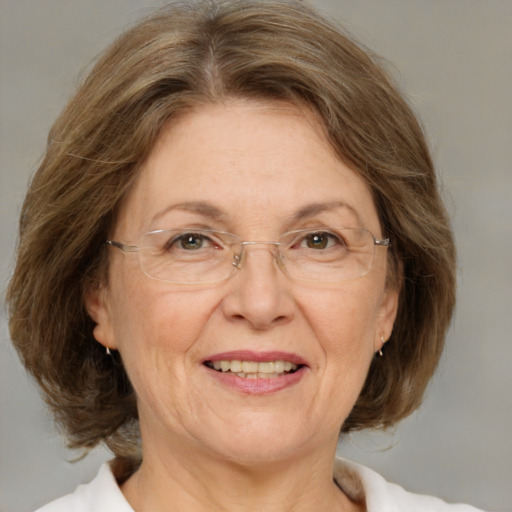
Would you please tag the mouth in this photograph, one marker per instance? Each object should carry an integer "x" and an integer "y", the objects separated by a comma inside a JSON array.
[
  {"x": 256, "y": 373},
  {"x": 254, "y": 369}
]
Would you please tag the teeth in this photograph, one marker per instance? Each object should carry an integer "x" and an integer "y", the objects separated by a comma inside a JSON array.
[
  {"x": 249, "y": 367},
  {"x": 269, "y": 367},
  {"x": 234, "y": 366},
  {"x": 253, "y": 369}
]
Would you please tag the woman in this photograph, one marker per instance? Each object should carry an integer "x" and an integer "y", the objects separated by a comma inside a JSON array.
[{"x": 236, "y": 216}]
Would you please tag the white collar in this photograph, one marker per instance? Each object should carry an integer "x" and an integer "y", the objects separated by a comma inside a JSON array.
[
  {"x": 358, "y": 482},
  {"x": 362, "y": 483}
]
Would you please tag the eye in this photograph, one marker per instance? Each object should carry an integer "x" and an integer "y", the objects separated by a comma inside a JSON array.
[
  {"x": 321, "y": 240},
  {"x": 192, "y": 241},
  {"x": 189, "y": 242}
]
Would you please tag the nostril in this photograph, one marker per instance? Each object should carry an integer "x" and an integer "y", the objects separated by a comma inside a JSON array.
[{"x": 280, "y": 319}]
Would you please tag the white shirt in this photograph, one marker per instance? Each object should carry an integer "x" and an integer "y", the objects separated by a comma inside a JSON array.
[{"x": 358, "y": 482}]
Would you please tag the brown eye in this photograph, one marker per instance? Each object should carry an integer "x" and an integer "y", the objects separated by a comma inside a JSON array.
[{"x": 320, "y": 240}]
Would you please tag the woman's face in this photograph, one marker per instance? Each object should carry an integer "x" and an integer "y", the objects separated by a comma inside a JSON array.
[{"x": 256, "y": 170}]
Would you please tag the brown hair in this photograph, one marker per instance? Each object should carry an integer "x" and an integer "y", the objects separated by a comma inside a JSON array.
[{"x": 193, "y": 53}]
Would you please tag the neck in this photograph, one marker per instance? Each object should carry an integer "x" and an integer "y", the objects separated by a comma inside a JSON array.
[{"x": 177, "y": 480}]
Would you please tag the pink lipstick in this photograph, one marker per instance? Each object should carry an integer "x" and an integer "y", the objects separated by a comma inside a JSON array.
[{"x": 256, "y": 372}]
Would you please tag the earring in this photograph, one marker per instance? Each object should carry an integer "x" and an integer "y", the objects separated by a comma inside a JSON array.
[
  {"x": 382, "y": 344},
  {"x": 108, "y": 352}
]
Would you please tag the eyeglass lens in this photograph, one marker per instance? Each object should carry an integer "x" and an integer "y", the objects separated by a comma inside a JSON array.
[{"x": 205, "y": 256}]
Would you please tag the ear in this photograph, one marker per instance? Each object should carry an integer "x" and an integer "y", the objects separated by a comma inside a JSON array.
[
  {"x": 96, "y": 299},
  {"x": 386, "y": 316}
]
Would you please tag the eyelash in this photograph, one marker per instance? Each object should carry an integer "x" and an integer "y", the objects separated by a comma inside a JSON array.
[
  {"x": 181, "y": 239},
  {"x": 331, "y": 240}
]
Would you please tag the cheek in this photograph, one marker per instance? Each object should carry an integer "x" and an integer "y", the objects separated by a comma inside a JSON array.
[
  {"x": 156, "y": 326},
  {"x": 344, "y": 321}
]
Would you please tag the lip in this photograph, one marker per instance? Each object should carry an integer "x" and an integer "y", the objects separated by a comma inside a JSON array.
[
  {"x": 258, "y": 386},
  {"x": 257, "y": 357}
]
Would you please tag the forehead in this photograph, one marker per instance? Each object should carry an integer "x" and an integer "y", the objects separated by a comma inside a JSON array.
[{"x": 251, "y": 162}]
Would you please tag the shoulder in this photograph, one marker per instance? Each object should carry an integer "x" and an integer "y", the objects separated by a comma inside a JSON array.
[
  {"x": 360, "y": 482},
  {"x": 100, "y": 494}
]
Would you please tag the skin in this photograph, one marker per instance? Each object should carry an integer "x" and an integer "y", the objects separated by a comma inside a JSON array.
[{"x": 207, "y": 446}]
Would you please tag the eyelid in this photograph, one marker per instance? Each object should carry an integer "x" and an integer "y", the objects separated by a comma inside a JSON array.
[
  {"x": 188, "y": 227},
  {"x": 313, "y": 229},
  {"x": 329, "y": 232},
  {"x": 227, "y": 238},
  {"x": 215, "y": 236}
]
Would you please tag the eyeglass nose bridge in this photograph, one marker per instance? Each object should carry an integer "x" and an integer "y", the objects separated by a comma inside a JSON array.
[{"x": 239, "y": 257}]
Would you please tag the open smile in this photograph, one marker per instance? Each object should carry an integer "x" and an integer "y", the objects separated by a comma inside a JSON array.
[
  {"x": 254, "y": 369},
  {"x": 256, "y": 372}
]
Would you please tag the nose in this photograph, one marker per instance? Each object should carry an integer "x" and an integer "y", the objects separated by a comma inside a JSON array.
[{"x": 259, "y": 293}]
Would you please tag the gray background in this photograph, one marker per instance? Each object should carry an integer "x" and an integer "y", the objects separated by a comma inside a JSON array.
[{"x": 454, "y": 57}]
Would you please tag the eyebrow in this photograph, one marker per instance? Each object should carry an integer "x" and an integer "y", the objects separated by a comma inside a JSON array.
[
  {"x": 209, "y": 210},
  {"x": 313, "y": 209},
  {"x": 202, "y": 208}
]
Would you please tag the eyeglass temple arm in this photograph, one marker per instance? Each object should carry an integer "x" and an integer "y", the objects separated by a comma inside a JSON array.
[
  {"x": 384, "y": 243},
  {"x": 123, "y": 247}
]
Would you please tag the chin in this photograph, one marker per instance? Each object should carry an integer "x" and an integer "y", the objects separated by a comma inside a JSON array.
[{"x": 263, "y": 440}]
